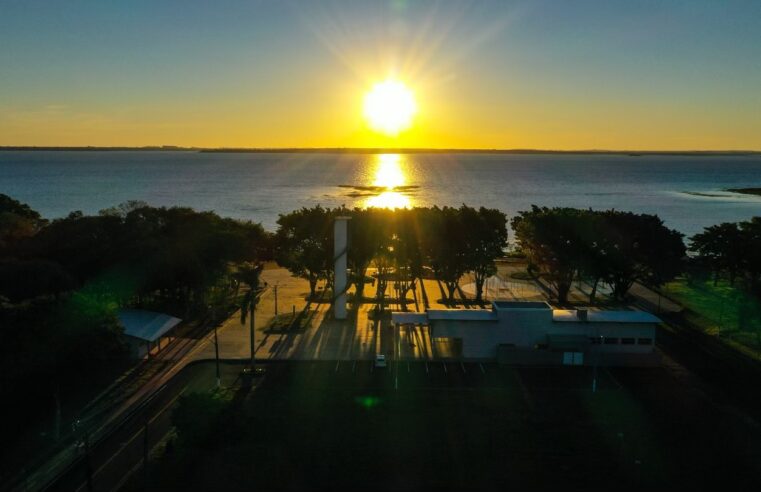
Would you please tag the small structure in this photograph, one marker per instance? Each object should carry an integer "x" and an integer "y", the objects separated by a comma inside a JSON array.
[
  {"x": 533, "y": 333},
  {"x": 144, "y": 329}
]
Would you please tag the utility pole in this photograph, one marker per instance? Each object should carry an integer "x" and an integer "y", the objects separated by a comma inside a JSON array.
[
  {"x": 597, "y": 361},
  {"x": 145, "y": 454},
  {"x": 216, "y": 355},
  {"x": 213, "y": 310},
  {"x": 253, "y": 335},
  {"x": 275, "y": 289},
  {"x": 88, "y": 463}
]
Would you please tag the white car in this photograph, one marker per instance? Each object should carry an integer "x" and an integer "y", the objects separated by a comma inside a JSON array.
[{"x": 380, "y": 360}]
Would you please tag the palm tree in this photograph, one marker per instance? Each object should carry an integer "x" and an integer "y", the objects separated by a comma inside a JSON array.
[
  {"x": 249, "y": 274},
  {"x": 220, "y": 300}
]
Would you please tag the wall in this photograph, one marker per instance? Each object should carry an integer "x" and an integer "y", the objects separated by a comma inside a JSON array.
[{"x": 527, "y": 328}]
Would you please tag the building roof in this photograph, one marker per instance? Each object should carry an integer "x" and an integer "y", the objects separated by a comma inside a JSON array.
[
  {"x": 462, "y": 314},
  {"x": 443, "y": 314},
  {"x": 406, "y": 318},
  {"x": 521, "y": 305},
  {"x": 597, "y": 316},
  {"x": 146, "y": 325}
]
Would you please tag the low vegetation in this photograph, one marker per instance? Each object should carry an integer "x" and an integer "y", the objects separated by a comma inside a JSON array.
[{"x": 721, "y": 309}]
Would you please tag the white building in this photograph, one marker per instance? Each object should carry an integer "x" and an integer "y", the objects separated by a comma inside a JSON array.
[
  {"x": 144, "y": 330},
  {"x": 534, "y": 333}
]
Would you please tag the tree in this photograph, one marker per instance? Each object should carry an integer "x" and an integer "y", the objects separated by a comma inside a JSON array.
[
  {"x": 195, "y": 417},
  {"x": 408, "y": 251},
  {"x": 26, "y": 279},
  {"x": 365, "y": 239},
  {"x": 446, "y": 247},
  {"x": 596, "y": 250},
  {"x": 551, "y": 240},
  {"x": 720, "y": 247},
  {"x": 751, "y": 253},
  {"x": 304, "y": 244},
  {"x": 249, "y": 275},
  {"x": 732, "y": 248},
  {"x": 485, "y": 237},
  {"x": 17, "y": 222},
  {"x": 642, "y": 250}
]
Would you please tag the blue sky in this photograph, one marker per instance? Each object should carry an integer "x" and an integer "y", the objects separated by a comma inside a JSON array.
[{"x": 582, "y": 74}]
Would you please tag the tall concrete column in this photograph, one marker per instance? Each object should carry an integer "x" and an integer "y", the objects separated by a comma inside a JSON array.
[{"x": 340, "y": 248}]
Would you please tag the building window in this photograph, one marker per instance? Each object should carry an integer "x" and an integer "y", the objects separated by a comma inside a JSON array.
[
  {"x": 645, "y": 341},
  {"x": 627, "y": 341},
  {"x": 611, "y": 341}
]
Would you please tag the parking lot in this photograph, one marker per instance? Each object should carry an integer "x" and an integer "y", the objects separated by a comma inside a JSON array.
[
  {"x": 477, "y": 426},
  {"x": 435, "y": 374}
]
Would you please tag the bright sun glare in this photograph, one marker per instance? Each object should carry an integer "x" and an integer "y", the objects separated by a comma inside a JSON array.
[
  {"x": 389, "y": 175},
  {"x": 390, "y": 107}
]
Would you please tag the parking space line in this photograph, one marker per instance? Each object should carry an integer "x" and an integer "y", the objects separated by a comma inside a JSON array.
[
  {"x": 613, "y": 378},
  {"x": 336, "y": 369}
]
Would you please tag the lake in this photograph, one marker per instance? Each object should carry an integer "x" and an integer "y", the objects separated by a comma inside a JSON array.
[{"x": 686, "y": 191}]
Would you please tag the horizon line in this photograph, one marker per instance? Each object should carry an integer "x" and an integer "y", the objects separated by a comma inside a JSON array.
[{"x": 373, "y": 150}]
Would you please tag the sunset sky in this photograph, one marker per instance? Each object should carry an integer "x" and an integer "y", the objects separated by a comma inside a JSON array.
[{"x": 504, "y": 74}]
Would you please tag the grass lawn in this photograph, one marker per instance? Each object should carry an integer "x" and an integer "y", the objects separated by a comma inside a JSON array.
[
  {"x": 464, "y": 427},
  {"x": 722, "y": 310}
]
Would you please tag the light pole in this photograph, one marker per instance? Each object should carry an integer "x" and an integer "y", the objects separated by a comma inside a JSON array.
[
  {"x": 213, "y": 310},
  {"x": 597, "y": 361},
  {"x": 84, "y": 442},
  {"x": 216, "y": 355}
]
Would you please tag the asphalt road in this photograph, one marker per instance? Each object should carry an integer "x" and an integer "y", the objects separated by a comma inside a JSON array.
[{"x": 120, "y": 455}]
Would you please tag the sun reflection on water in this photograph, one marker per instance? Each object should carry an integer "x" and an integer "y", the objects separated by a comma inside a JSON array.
[{"x": 389, "y": 177}]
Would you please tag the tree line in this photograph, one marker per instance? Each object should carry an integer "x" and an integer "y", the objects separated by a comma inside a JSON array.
[
  {"x": 731, "y": 250},
  {"x": 61, "y": 282},
  {"x": 598, "y": 247},
  {"x": 561, "y": 245},
  {"x": 402, "y": 245}
]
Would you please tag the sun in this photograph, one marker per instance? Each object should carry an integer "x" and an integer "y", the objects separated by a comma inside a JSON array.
[{"x": 389, "y": 107}]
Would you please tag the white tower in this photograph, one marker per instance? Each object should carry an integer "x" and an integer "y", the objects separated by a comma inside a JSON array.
[{"x": 340, "y": 248}]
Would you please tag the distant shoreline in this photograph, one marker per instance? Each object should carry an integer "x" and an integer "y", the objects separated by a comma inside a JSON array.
[
  {"x": 350, "y": 150},
  {"x": 746, "y": 191}
]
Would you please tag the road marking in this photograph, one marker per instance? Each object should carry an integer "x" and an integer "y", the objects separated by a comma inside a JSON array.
[
  {"x": 426, "y": 367},
  {"x": 613, "y": 378},
  {"x": 462, "y": 364},
  {"x": 524, "y": 390},
  {"x": 445, "y": 367},
  {"x": 353, "y": 367},
  {"x": 482, "y": 368},
  {"x": 337, "y": 362},
  {"x": 408, "y": 367}
]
